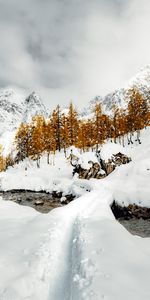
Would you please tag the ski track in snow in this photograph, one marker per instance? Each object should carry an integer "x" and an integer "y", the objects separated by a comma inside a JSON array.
[
  {"x": 59, "y": 269},
  {"x": 69, "y": 279}
]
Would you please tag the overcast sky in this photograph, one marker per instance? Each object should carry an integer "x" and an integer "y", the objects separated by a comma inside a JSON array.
[{"x": 72, "y": 49}]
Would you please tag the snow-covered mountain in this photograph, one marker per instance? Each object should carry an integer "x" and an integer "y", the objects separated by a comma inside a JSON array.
[
  {"x": 33, "y": 106},
  {"x": 87, "y": 111},
  {"x": 120, "y": 96},
  {"x": 10, "y": 115},
  {"x": 16, "y": 108},
  {"x": 142, "y": 79},
  {"x": 13, "y": 111}
]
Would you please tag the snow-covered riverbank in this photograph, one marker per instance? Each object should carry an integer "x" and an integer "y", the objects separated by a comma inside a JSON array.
[{"x": 79, "y": 251}]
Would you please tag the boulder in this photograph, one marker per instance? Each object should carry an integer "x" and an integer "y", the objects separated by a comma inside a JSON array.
[
  {"x": 39, "y": 202},
  {"x": 102, "y": 168},
  {"x": 139, "y": 212},
  {"x": 130, "y": 211},
  {"x": 120, "y": 159}
]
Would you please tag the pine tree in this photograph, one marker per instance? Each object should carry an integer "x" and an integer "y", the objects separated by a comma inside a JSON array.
[
  {"x": 99, "y": 125},
  {"x": 64, "y": 132},
  {"x": 2, "y": 160},
  {"x": 9, "y": 160},
  {"x": 23, "y": 141},
  {"x": 122, "y": 126},
  {"x": 37, "y": 146},
  {"x": 56, "y": 124},
  {"x": 72, "y": 125},
  {"x": 90, "y": 133},
  {"x": 49, "y": 139},
  {"x": 137, "y": 113},
  {"x": 82, "y": 139},
  {"x": 115, "y": 123}
]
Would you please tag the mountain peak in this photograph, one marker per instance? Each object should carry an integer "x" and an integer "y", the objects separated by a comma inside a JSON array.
[
  {"x": 15, "y": 108},
  {"x": 119, "y": 97},
  {"x": 33, "y": 97},
  {"x": 33, "y": 105},
  {"x": 12, "y": 95},
  {"x": 142, "y": 78},
  {"x": 146, "y": 68}
]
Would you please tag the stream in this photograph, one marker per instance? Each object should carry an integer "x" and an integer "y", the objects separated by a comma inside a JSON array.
[
  {"x": 41, "y": 201},
  {"x": 137, "y": 226},
  {"x": 44, "y": 202}
]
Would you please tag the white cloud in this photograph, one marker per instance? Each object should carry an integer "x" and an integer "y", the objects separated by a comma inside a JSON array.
[{"x": 72, "y": 49}]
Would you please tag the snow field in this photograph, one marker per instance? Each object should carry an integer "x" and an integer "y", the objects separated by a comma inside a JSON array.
[{"x": 78, "y": 252}]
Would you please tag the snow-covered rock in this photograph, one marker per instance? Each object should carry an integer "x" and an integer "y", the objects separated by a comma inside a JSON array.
[{"x": 101, "y": 163}]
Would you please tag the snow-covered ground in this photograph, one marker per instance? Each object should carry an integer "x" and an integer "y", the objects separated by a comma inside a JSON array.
[
  {"x": 79, "y": 251},
  {"x": 128, "y": 183},
  {"x": 131, "y": 183}
]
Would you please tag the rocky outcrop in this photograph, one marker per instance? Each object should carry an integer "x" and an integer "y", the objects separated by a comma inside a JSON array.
[
  {"x": 101, "y": 169},
  {"x": 116, "y": 160},
  {"x": 130, "y": 211},
  {"x": 120, "y": 159}
]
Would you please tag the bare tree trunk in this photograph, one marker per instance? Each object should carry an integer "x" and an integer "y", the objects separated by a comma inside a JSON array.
[
  {"x": 38, "y": 162},
  {"x": 65, "y": 151},
  {"x": 138, "y": 136},
  {"x": 48, "y": 158},
  {"x": 123, "y": 141}
]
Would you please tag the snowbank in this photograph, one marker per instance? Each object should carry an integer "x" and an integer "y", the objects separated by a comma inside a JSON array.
[
  {"x": 131, "y": 183},
  {"x": 107, "y": 150}
]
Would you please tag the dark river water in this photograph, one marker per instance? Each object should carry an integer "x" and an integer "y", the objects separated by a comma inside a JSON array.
[
  {"x": 44, "y": 203},
  {"x": 137, "y": 226}
]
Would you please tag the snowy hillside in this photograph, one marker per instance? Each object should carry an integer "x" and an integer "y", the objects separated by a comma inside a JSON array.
[
  {"x": 80, "y": 251},
  {"x": 133, "y": 177}
]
